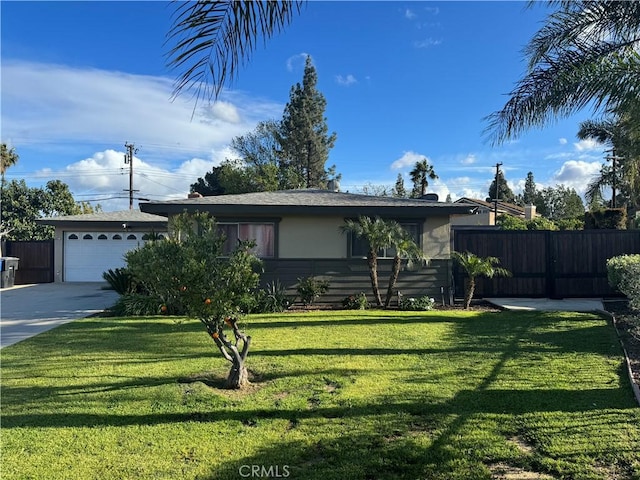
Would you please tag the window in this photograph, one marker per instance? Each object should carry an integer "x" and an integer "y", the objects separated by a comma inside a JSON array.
[
  {"x": 73, "y": 236},
  {"x": 87, "y": 237},
  {"x": 360, "y": 247},
  {"x": 116, "y": 237},
  {"x": 261, "y": 233},
  {"x": 131, "y": 237},
  {"x": 102, "y": 236}
]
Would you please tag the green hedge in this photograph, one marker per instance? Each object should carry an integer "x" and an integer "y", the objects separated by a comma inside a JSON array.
[{"x": 623, "y": 273}]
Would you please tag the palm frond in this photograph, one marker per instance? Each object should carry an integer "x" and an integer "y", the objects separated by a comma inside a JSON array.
[{"x": 212, "y": 39}]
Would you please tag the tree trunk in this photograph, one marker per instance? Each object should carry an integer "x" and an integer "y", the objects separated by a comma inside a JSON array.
[
  {"x": 470, "y": 285},
  {"x": 238, "y": 376},
  {"x": 395, "y": 272},
  {"x": 373, "y": 274}
]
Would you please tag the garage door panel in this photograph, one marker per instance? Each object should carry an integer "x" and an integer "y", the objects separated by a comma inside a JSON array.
[{"x": 88, "y": 254}]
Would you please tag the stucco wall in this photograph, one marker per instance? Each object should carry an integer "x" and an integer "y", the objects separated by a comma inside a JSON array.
[{"x": 311, "y": 237}]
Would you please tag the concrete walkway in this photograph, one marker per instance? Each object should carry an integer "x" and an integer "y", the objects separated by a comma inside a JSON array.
[
  {"x": 27, "y": 310},
  {"x": 549, "y": 305}
]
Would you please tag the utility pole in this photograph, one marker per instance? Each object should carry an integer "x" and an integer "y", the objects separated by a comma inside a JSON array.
[
  {"x": 497, "y": 194},
  {"x": 613, "y": 159},
  {"x": 128, "y": 158}
]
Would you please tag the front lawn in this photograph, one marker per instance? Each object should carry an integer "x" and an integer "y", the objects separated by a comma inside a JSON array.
[{"x": 335, "y": 395}]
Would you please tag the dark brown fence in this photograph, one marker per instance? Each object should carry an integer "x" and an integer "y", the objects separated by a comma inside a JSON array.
[
  {"x": 546, "y": 263},
  {"x": 36, "y": 260}
]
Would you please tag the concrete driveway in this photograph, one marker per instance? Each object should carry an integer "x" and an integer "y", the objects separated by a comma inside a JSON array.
[
  {"x": 549, "y": 305},
  {"x": 27, "y": 310}
]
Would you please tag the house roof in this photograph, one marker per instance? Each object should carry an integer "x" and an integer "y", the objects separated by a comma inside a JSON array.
[
  {"x": 503, "y": 207},
  {"x": 132, "y": 218},
  {"x": 306, "y": 202}
]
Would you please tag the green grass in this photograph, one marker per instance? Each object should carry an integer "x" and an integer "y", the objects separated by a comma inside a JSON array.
[{"x": 335, "y": 395}]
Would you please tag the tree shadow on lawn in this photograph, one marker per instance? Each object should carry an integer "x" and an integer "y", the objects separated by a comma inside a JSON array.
[{"x": 471, "y": 402}]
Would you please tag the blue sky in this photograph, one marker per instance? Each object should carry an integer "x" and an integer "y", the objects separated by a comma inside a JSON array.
[{"x": 402, "y": 80}]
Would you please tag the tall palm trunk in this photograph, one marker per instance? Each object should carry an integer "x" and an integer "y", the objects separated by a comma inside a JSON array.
[
  {"x": 372, "y": 260},
  {"x": 395, "y": 273}
]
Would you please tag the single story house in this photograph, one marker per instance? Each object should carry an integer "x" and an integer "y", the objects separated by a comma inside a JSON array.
[
  {"x": 298, "y": 235},
  {"x": 485, "y": 212},
  {"x": 87, "y": 245}
]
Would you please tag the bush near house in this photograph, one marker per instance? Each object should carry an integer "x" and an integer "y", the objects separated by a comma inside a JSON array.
[{"x": 623, "y": 273}]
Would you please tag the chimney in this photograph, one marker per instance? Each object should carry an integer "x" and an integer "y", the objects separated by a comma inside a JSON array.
[
  {"x": 333, "y": 185},
  {"x": 529, "y": 212},
  {"x": 194, "y": 195}
]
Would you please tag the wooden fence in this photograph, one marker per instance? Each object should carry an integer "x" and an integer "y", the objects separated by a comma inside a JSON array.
[
  {"x": 36, "y": 260},
  {"x": 554, "y": 264}
]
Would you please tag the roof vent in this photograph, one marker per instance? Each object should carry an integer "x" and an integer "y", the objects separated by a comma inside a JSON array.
[
  {"x": 432, "y": 197},
  {"x": 194, "y": 195},
  {"x": 333, "y": 185}
]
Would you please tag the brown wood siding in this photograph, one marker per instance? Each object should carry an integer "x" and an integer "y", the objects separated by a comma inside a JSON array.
[
  {"x": 351, "y": 276},
  {"x": 552, "y": 264},
  {"x": 36, "y": 260}
]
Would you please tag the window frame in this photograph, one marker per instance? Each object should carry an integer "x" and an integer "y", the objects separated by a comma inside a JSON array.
[
  {"x": 238, "y": 223},
  {"x": 354, "y": 251}
]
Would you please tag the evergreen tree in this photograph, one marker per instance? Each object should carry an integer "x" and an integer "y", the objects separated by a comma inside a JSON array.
[
  {"x": 399, "y": 190},
  {"x": 504, "y": 194},
  {"x": 420, "y": 176},
  {"x": 530, "y": 193},
  {"x": 304, "y": 132}
]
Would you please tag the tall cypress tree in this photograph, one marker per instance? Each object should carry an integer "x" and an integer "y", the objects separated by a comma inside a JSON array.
[
  {"x": 304, "y": 138},
  {"x": 504, "y": 193}
]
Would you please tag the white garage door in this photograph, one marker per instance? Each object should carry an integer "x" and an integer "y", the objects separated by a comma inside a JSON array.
[{"x": 88, "y": 254}]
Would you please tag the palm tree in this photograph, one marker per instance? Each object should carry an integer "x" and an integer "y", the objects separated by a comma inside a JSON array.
[
  {"x": 405, "y": 248},
  {"x": 420, "y": 176},
  {"x": 212, "y": 39},
  {"x": 586, "y": 54},
  {"x": 9, "y": 158},
  {"x": 622, "y": 134},
  {"x": 476, "y": 266},
  {"x": 379, "y": 234}
]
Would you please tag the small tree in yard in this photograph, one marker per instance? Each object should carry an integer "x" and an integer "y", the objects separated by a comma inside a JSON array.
[
  {"x": 381, "y": 234},
  {"x": 476, "y": 266},
  {"x": 188, "y": 269},
  {"x": 405, "y": 248}
]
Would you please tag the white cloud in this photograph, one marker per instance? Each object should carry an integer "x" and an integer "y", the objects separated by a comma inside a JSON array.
[
  {"x": 426, "y": 43},
  {"x": 296, "y": 61},
  {"x": 408, "y": 159},
  {"x": 468, "y": 160},
  {"x": 432, "y": 10},
  {"x": 562, "y": 141},
  {"x": 587, "y": 145},
  {"x": 346, "y": 81},
  {"x": 104, "y": 175},
  {"x": 46, "y": 106},
  {"x": 576, "y": 174},
  {"x": 409, "y": 14}
]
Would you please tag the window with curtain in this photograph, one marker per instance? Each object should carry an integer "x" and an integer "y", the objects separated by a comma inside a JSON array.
[
  {"x": 261, "y": 233},
  {"x": 360, "y": 247}
]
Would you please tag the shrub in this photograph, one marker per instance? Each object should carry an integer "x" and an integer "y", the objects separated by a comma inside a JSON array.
[
  {"x": 356, "y": 302},
  {"x": 606, "y": 218},
  {"x": 416, "y": 304},
  {"x": 623, "y": 273},
  {"x": 273, "y": 298},
  {"x": 119, "y": 280},
  {"x": 310, "y": 289},
  {"x": 137, "y": 305}
]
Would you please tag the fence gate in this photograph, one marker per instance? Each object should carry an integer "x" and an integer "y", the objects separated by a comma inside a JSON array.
[
  {"x": 36, "y": 260},
  {"x": 554, "y": 264}
]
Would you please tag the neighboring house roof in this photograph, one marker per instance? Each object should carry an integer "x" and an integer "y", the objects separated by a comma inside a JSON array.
[
  {"x": 133, "y": 219},
  {"x": 503, "y": 207},
  {"x": 306, "y": 202}
]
